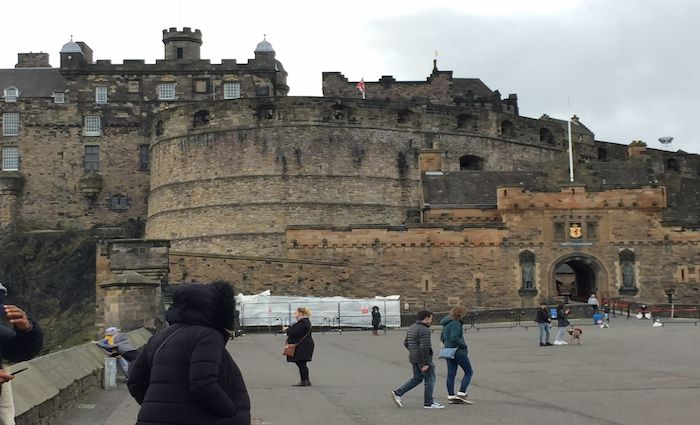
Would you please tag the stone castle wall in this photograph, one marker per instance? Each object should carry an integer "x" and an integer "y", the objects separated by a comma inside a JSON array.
[
  {"x": 51, "y": 143},
  {"x": 271, "y": 163}
]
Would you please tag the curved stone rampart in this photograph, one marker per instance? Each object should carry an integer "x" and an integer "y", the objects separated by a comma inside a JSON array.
[{"x": 244, "y": 170}]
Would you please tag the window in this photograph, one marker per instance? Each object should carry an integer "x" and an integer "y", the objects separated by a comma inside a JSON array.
[
  {"x": 166, "y": 91},
  {"x": 200, "y": 118},
  {"x": 592, "y": 230},
  {"x": 232, "y": 90},
  {"x": 134, "y": 86},
  {"x": 11, "y": 94},
  {"x": 627, "y": 266},
  {"x": 466, "y": 121},
  {"x": 262, "y": 91},
  {"x": 160, "y": 128},
  {"x": 180, "y": 53},
  {"x": 92, "y": 158},
  {"x": 10, "y": 124},
  {"x": 118, "y": 202},
  {"x": 144, "y": 158},
  {"x": 559, "y": 234},
  {"x": 201, "y": 86},
  {"x": 93, "y": 125},
  {"x": 471, "y": 162},
  {"x": 10, "y": 158},
  {"x": 546, "y": 136},
  {"x": 59, "y": 97},
  {"x": 100, "y": 94},
  {"x": 527, "y": 266},
  {"x": 507, "y": 128}
]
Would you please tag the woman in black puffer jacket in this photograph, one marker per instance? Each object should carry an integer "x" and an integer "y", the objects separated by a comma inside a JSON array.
[{"x": 184, "y": 375}]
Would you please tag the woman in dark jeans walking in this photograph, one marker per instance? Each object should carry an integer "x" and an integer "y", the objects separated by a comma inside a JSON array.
[
  {"x": 453, "y": 337},
  {"x": 300, "y": 333}
]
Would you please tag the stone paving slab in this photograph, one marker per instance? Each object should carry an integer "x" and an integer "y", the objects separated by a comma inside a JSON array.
[{"x": 627, "y": 374}]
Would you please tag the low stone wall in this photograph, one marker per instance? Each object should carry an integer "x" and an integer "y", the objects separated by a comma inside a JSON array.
[{"x": 58, "y": 381}]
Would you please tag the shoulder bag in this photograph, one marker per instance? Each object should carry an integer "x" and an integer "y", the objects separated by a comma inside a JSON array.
[{"x": 447, "y": 353}]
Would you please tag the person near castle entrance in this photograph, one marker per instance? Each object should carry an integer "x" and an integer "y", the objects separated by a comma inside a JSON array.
[
  {"x": 184, "y": 375},
  {"x": 543, "y": 323},
  {"x": 20, "y": 339},
  {"x": 420, "y": 355},
  {"x": 562, "y": 324},
  {"x": 376, "y": 320},
  {"x": 453, "y": 337},
  {"x": 300, "y": 334},
  {"x": 593, "y": 302}
]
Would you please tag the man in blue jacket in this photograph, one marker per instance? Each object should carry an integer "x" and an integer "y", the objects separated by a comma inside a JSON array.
[{"x": 420, "y": 355}]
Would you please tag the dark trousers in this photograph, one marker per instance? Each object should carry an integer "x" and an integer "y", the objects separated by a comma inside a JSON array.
[
  {"x": 303, "y": 370},
  {"x": 461, "y": 360}
]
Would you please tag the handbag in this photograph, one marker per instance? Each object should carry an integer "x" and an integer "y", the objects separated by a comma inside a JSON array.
[
  {"x": 289, "y": 350},
  {"x": 447, "y": 353}
]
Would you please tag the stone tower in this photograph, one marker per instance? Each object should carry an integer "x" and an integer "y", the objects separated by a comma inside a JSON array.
[{"x": 182, "y": 45}]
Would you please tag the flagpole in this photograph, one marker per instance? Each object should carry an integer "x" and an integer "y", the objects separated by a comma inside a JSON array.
[{"x": 571, "y": 143}]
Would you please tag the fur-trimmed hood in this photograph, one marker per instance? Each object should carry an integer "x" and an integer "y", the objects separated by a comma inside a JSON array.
[{"x": 203, "y": 304}]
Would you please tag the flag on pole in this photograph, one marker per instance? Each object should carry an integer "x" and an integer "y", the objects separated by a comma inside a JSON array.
[{"x": 361, "y": 86}]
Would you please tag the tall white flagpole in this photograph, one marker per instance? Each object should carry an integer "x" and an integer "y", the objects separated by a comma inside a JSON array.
[{"x": 571, "y": 143}]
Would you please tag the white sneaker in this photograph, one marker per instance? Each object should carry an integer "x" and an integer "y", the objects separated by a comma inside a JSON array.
[
  {"x": 452, "y": 399},
  {"x": 435, "y": 405},
  {"x": 464, "y": 398},
  {"x": 558, "y": 342},
  {"x": 397, "y": 399},
  {"x": 564, "y": 343}
]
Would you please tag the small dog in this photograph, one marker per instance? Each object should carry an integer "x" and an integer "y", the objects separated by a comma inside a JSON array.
[{"x": 575, "y": 335}]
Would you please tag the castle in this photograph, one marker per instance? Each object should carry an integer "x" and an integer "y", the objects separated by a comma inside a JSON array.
[{"x": 437, "y": 190}]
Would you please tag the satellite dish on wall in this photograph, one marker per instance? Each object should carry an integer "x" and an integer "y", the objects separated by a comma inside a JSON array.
[{"x": 666, "y": 141}]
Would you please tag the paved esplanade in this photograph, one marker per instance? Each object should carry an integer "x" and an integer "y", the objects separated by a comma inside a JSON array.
[{"x": 627, "y": 374}]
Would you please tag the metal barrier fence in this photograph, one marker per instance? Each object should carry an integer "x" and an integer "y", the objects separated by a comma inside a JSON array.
[
  {"x": 473, "y": 321},
  {"x": 326, "y": 315}
]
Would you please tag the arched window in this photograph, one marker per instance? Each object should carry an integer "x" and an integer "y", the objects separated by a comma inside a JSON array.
[
  {"x": 466, "y": 121},
  {"x": 527, "y": 266},
  {"x": 200, "y": 118},
  {"x": 507, "y": 128},
  {"x": 627, "y": 269},
  {"x": 672, "y": 165},
  {"x": 160, "y": 128},
  {"x": 471, "y": 162},
  {"x": 546, "y": 136}
]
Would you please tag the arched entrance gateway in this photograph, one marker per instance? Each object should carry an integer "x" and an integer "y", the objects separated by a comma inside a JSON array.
[{"x": 578, "y": 276}]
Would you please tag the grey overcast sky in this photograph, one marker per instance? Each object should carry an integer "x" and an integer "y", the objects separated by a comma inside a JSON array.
[{"x": 628, "y": 67}]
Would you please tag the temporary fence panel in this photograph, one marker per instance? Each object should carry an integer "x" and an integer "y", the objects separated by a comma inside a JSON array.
[{"x": 265, "y": 309}]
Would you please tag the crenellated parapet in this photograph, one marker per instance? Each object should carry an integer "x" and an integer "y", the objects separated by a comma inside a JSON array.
[{"x": 578, "y": 198}]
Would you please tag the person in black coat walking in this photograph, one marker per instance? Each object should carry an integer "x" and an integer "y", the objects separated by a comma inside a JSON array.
[
  {"x": 184, "y": 375},
  {"x": 300, "y": 333}
]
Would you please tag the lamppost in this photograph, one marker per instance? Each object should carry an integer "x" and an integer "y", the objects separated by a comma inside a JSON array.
[{"x": 669, "y": 293}]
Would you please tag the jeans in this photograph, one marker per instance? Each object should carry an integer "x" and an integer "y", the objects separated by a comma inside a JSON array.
[
  {"x": 561, "y": 330},
  {"x": 462, "y": 360},
  {"x": 544, "y": 330},
  {"x": 418, "y": 377}
]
